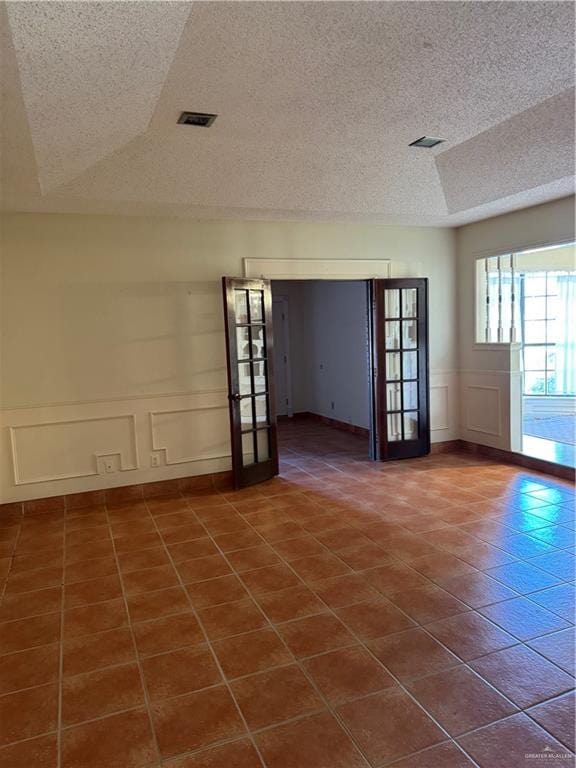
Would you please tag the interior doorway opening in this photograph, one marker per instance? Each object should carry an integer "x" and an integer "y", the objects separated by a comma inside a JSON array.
[{"x": 322, "y": 369}]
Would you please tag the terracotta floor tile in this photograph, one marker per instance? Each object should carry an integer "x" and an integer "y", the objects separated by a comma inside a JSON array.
[
  {"x": 196, "y": 720},
  {"x": 279, "y": 694},
  {"x": 509, "y": 740},
  {"x": 154, "y": 605},
  {"x": 231, "y": 619},
  {"x": 84, "y": 535},
  {"x": 412, "y": 654},
  {"x": 523, "y": 577},
  {"x": 203, "y": 568},
  {"x": 270, "y": 579},
  {"x": 150, "y": 579},
  {"x": 30, "y": 562},
  {"x": 253, "y": 557},
  {"x": 138, "y": 542},
  {"x": 85, "y": 570},
  {"x": 309, "y": 743},
  {"x": 443, "y": 756},
  {"x": 133, "y": 527},
  {"x": 460, "y": 700},
  {"x": 191, "y": 550},
  {"x": 348, "y": 673},
  {"x": 120, "y": 741},
  {"x": 559, "y": 563},
  {"x": 181, "y": 671},
  {"x": 177, "y": 534},
  {"x": 146, "y": 558},
  {"x": 561, "y": 600},
  {"x": 28, "y": 713},
  {"x": 344, "y": 590},
  {"x": 555, "y": 535},
  {"x": 232, "y": 542},
  {"x": 523, "y": 619},
  {"x": 317, "y": 567},
  {"x": 27, "y": 633},
  {"x": 394, "y": 577},
  {"x": 303, "y": 546},
  {"x": 470, "y": 635},
  {"x": 280, "y": 532},
  {"x": 315, "y": 634},
  {"x": 477, "y": 589},
  {"x": 342, "y": 538},
  {"x": 389, "y": 725},
  {"x": 360, "y": 557},
  {"x": 251, "y": 652},
  {"x": 558, "y": 648},
  {"x": 26, "y": 669},
  {"x": 374, "y": 618},
  {"x": 225, "y": 589},
  {"x": 27, "y": 581},
  {"x": 93, "y": 591},
  {"x": 94, "y": 618},
  {"x": 41, "y": 752},
  {"x": 429, "y": 603},
  {"x": 558, "y": 717},
  {"x": 167, "y": 634},
  {"x": 523, "y": 675},
  {"x": 293, "y": 603},
  {"x": 103, "y": 649},
  {"x": 22, "y": 605},
  {"x": 237, "y": 754},
  {"x": 441, "y": 565},
  {"x": 101, "y": 692},
  {"x": 89, "y": 551}
]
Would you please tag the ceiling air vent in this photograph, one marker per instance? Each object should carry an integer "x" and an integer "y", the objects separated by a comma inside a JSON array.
[
  {"x": 196, "y": 118},
  {"x": 426, "y": 141}
]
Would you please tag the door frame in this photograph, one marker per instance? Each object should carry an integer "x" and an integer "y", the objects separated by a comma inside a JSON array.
[{"x": 286, "y": 334}]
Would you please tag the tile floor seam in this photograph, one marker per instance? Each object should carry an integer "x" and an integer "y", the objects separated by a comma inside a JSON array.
[
  {"x": 224, "y": 680},
  {"x": 334, "y": 712},
  {"x": 464, "y": 663},
  {"x": 302, "y": 668},
  {"x": 147, "y": 703}
]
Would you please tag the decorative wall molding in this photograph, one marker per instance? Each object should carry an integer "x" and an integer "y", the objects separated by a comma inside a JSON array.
[
  {"x": 434, "y": 412},
  {"x": 120, "y": 464},
  {"x": 317, "y": 269},
  {"x": 116, "y": 399},
  {"x": 155, "y": 440},
  {"x": 503, "y": 250},
  {"x": 469, "y": 416}
]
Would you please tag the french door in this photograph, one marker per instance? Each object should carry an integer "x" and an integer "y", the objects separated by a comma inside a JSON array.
[
  {"x": 400, "y": 401},
  {"x": 249, "y": 347}
]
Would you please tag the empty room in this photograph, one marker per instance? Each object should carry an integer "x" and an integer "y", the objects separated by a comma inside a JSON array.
[{"x": 287, "y": 384}]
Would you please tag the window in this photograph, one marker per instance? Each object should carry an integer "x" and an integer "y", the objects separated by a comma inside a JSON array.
[
  {"x": 531, "y": 298},
  {"x": 546, "y": 303}
]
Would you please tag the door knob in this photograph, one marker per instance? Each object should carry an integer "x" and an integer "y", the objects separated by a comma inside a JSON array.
[{"x": 234, "y": 396}]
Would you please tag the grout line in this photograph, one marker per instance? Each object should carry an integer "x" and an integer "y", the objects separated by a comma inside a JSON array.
[
  {"x": 208, "y": 643},
  {"x": 147, "y": 702}
]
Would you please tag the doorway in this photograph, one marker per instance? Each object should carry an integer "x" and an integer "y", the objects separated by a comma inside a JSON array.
[
  {"x": 379, "y": 356},
  {"x": 322, "y": 364}
]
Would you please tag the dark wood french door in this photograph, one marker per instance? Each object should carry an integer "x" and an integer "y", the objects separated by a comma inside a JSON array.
[
  {"x": 400, "y": 383},
  {"x": 249, "y": 348}
]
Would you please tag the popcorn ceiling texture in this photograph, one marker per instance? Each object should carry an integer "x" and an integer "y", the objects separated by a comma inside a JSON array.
[{"x": 317, "y": 103}]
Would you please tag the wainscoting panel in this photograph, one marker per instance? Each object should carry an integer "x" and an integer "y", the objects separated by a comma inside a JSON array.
[
  {"x": 487, "y": 408},
  {"x": 61, "y": 450},
  {"x": 189, "y": 435},
  {"x": 444, "y": 412}
]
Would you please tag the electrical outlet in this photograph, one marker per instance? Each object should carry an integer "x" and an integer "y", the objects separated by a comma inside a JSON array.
[
  {"x": 109, "y": 465},
  {"x": 154, "y": 460}
]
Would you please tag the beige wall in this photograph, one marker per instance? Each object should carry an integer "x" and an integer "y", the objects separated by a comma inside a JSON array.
[
  {"x": 489, "y": 373},
  {"x": 113, "y": 347}
]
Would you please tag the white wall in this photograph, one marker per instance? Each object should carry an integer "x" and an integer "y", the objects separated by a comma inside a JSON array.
[
  {"x": 328, "y": 346},
  {"x": 113, "y": 345},
  {"x": 490, "y": 386}
]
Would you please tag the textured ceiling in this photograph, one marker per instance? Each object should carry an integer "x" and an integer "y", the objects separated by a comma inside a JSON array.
[{"x": 317, "y": 103}]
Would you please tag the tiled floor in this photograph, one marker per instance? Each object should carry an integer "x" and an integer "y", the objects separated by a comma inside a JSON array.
[{"x": 346, "y": 615}]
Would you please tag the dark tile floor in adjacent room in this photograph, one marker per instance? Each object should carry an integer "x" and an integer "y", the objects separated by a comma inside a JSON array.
[{"x": 347, "y": 614}]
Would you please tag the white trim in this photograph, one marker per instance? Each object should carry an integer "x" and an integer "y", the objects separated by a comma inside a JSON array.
[
  {"x": 317, "y": 269},
  {"x": 505, "y": 250},
  {"x": 498, "y": 411},
  {"x": 50, "y": 478},
  {"x": 116, "y": 399},
  {"x": 164, "y": 449}
]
